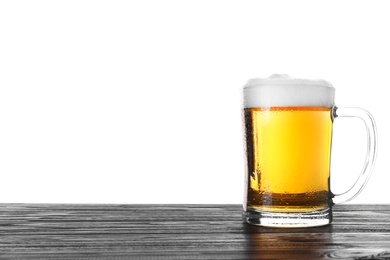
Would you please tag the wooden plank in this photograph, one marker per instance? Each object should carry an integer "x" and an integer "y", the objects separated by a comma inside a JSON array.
[{"x": 184, "y": 232}]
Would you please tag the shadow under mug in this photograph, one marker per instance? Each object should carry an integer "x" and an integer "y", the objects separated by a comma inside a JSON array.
[{"x": 288, "y": 126}]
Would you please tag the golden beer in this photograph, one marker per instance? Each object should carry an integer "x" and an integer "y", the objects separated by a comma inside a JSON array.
[{"x": 288, "y": 158}]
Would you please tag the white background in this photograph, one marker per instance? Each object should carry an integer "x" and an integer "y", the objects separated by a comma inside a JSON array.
[{"x": 139, "y": 101}]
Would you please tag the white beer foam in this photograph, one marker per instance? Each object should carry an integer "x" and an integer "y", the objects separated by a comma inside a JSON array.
[{"x": 280, "y": 90}]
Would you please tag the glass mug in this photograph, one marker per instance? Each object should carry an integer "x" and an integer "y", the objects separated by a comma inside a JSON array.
[{"x": 288, "y": 136}]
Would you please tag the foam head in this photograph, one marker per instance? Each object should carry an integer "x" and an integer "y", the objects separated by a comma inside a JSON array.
[{"x": 280, "y": 90}]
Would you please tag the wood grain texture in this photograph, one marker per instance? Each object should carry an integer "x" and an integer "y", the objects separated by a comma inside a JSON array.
[{"x": 61, "y": 231}]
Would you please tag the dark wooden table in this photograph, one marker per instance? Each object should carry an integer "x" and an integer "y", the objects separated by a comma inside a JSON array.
[{"x": 61, "y": 231}]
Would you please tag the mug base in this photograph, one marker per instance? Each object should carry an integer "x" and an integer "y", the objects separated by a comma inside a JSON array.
[{"x": 288, "y": 220}]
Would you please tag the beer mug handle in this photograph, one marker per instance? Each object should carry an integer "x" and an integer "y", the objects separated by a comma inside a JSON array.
[{"x": 372, "y": 144}]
